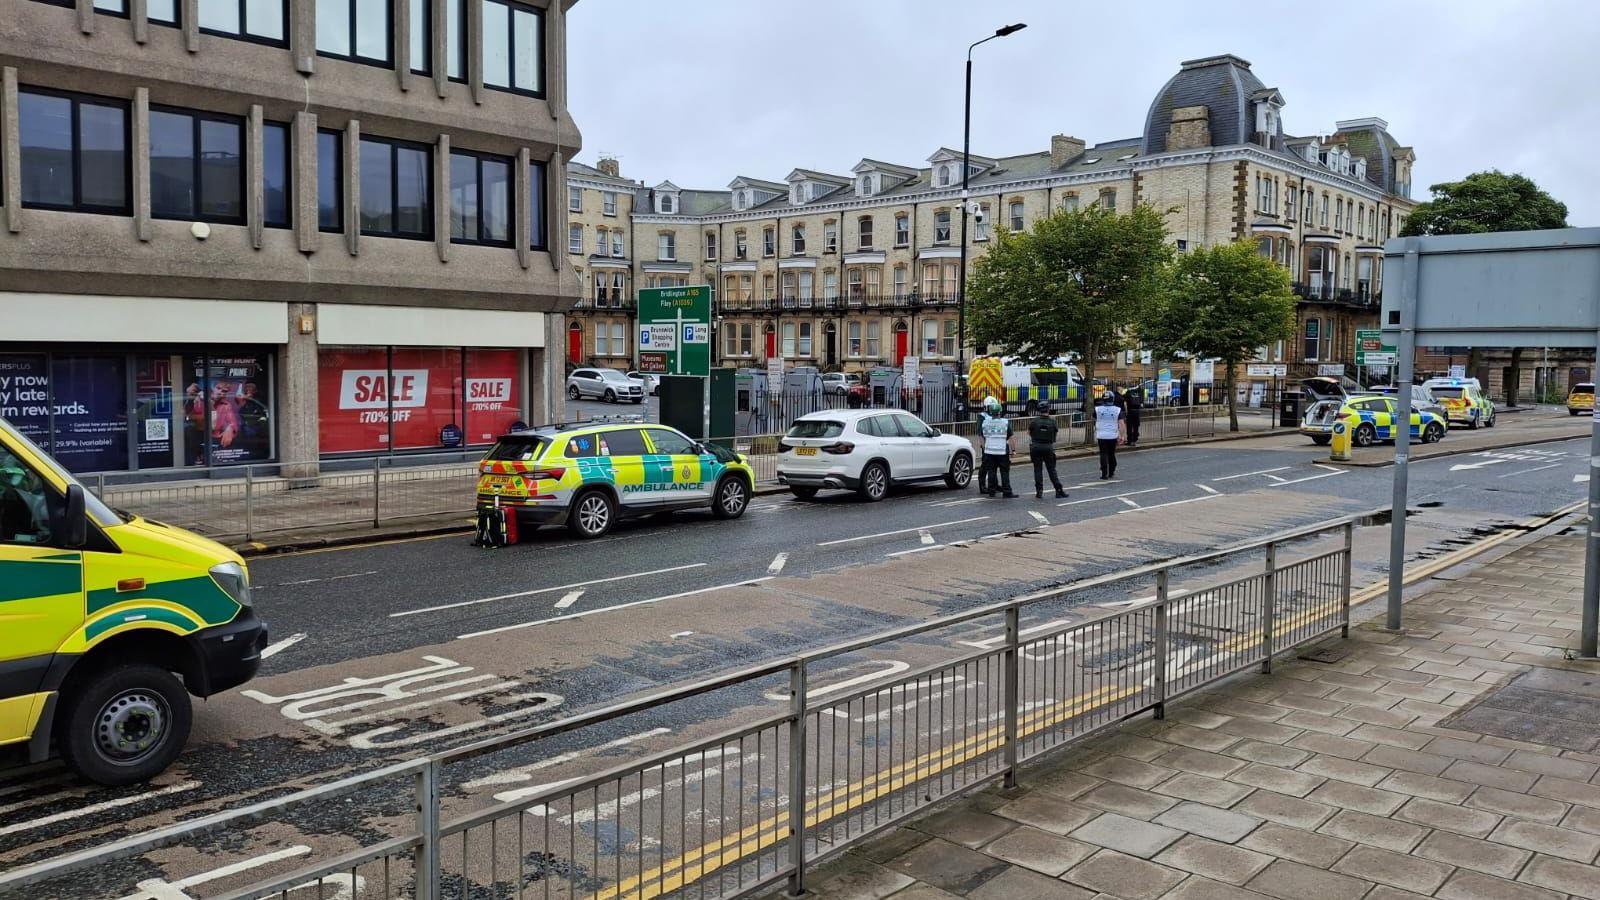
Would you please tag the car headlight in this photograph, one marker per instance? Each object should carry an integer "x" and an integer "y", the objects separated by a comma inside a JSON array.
[{"x": 234, "y": 581}]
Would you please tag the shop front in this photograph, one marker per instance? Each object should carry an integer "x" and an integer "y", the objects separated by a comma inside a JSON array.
[{"x": 382, "y": 399}]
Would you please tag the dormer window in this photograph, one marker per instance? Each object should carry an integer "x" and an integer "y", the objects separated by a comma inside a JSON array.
[
  {"x": 944, "y": 176},
  {"x": 666, "y": 204},
  {"x": 794, "y": 194}
]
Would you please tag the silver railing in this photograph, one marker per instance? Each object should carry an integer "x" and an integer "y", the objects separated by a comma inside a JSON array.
[
  {"x": 247, "y": 501},
  {"x": 793, "y": 764}
]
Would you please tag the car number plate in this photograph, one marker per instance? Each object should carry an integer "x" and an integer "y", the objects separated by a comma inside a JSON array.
[
  {"x": 499, "y": 480},
  {"x": 805, "y": 451}
]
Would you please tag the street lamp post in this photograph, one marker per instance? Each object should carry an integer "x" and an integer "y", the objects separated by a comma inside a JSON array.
[{"x": 966, "y": 166}]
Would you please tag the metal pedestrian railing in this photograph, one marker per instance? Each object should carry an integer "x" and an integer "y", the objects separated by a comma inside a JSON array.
[{"x": 796, "y": 765}]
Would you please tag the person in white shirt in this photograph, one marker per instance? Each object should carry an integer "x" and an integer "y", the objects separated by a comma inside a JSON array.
[{"x": 1107, "y": 431}]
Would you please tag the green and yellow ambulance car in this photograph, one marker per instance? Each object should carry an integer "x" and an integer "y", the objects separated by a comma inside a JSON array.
[{"x": 108, "y": 622}]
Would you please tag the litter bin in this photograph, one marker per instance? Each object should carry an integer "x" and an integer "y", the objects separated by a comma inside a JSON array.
[{"x": 1289, "y": 409}]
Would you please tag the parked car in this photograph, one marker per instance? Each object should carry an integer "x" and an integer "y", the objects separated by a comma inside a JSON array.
[
  {"x": 1421, "y": 398},
  {"x": 609, "y": 385},
  {"x": 839, "y": 383},
  {"x": 647, "y": 381},
  {"x": 869, "y": 451},
  {"x": 1370, "y": 419},
  {"x": 1463, "y": 400},
  {"x": 1331, "y": 387},
  {"x": 1580, "y": 399}
]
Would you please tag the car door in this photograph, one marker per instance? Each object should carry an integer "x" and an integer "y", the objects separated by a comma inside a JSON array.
[
  {"x": 928, "y": 454},
  {"x": 41, "y": 590},
  {"x": 584, "y": 381},
  {"x": 679, "y": 463},
  {"x": 896, "y": 446},
  {"x": 630, "y": 471}
]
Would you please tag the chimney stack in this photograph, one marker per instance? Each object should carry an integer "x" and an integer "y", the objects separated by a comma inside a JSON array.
[
  {"x": 1064, "y": 149},
  {"x": 608, "y": 166}
]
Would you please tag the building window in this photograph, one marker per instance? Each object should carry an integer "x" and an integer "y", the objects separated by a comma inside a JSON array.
[
  {"x": 830, "y": 237},
  {"x": 864, "y": 233},
  {"x": 1108, "y": 200},
  {"x": 950, "y": 336},
  {"x": 356, "y": 30},
  {"x": 574, "y": 199},
  {"x": 747, "y": 339},
  {"x": 1313, "y": 340},
  {"x": 421, "y": 37},
  {"x": 536, "y": 210},
  {"x": 830, "y": 283},
  {"x": 163, "y": 12},
  {"x": 711, "y": 245},
  {"x": 730, "y": 340},
  {"x": 944, "y": 176},
  {"x": 741, "y": 245},
  {"x": 1070, "y": 203},
  {"x": 941, "y": 226},
  {"x": 769, "y": 242},
  {"x": 666, "y": 246},
  {"x": 619, "y": 340},
  {"x": 805, "y": 340},
  {"x": 787, "y": 350},
  {"x": 930, "y": 337},
  {"x": 602, "y": 331},
  {"x": 601, "y": 245},
  {"x": 799, "y": 242},
  {"x": 853, "y": 284},
  {"x": 767, "y": 288},
  {"x": 1290, "y": 206},
  {"x": 983, "y": 229},
  {"x": 513, "y": 56},
  {"x": 275, "y": 176},
  {"x": 396, "y": 189},
  {"x": 667, "y": 203},
  {"x": 790, "y": 286},
  {"x": 1324, "y": 219},
  {"x": 1016, "y": 215},
  {"x": 255, "y": 20},
  {"x": 196, "y": 166},
  {"x": 480, "y": 199},
  {"x": 74, "y": 152},
  {"x": 1338, "y": 214},
  {"x": 616, "y": 243},
  {"x": 807, "y": 288},
  {"x": 330, "y": 180},
  {"x": 900, "y": 273},
  {"x": 1361, "y": 220},
  {"x": 608, "y": 202},
  {"x": 1310, "y": 201},
  {"x": 902, "y": 230},
  {"x": 874, "y": 339},
  {"x": 853, "y": 339}
]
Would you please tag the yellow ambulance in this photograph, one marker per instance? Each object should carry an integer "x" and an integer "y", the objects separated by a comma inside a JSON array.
[{"x": 108, "y": 622}]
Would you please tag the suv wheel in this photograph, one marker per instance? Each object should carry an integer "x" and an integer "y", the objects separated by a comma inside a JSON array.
[
  {"x": 731, "y": 499},
  {"x": 1432, "y": 434},
  {"x": 611, "y": 396},
  {"x": 573, "y": 393},
  {"x": 125, "y": 725},
  {"x": 593, "y": 514},
  {"x": 874, "y": 482},
  {"x": 1365, "y": 435},
  {"x": 960, "y": 474}
]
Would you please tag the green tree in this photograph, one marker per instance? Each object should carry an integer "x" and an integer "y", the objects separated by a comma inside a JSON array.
[
  {"x": 1224, "y": 303},
  {"x": 1484, "y": 202},
  {"x": 1073, "y": 284}
]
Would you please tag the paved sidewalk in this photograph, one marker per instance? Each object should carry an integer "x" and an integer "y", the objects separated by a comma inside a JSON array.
[{"x": 1389, "y": 772}]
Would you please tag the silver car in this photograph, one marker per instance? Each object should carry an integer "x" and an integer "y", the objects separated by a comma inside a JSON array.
[{"x": 609, "y": 385}]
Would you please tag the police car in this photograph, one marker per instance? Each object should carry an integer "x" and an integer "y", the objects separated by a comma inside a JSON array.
[
  {"x": 589, "y": 475},
  {"x": 1370, "y": 419},
  {"x": 1463, "y": 400}
]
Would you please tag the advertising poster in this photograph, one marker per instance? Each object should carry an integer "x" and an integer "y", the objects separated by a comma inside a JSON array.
[
  {"x": 152, "y": 411},
  {"x": 494, "y": 394},
  {"x": 90, "y": 393},
  {"x": 225, "y": 414},
  {"x": 25, "y": 395},
  {"x": 353, "y": 399}
]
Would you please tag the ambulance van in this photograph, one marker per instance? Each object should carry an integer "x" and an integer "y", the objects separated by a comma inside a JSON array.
[{"x": 108, "y": 622}]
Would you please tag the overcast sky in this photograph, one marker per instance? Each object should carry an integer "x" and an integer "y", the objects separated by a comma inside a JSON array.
[{"x": 700, "y": 91}]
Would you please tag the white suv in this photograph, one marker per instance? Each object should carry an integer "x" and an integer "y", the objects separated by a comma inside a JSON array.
[
  {"x": 867, "y": 451},
  {"x": 606, "y": 384}
]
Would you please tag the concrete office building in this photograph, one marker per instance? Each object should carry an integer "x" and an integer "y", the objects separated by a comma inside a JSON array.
[{"x": 239, "y": 230}]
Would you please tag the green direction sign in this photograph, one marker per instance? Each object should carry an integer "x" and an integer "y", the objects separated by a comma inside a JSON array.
[
  {"x": 675, "y": 324},
  {"x": 1372, "y": 351}
]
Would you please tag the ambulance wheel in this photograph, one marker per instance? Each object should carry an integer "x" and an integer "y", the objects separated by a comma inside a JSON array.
[
  {"x": 611, "y": 396},
  {"x": 960, "y": 474},
  {"x": 732, "y": 498},
  {"x": 1321, "y": 440},
  {"x": 803, "y": 493},
  {"x": 593, "y": 513},
  {"x": 1432, "y": 434},
  {"x": 573, "y": 393},
  {"x": 1365, "y": 435},
  {"x": 1473, "y": 424},
  {"x": 125, "y": 725},
  {"x": 1489, "y": 423}
]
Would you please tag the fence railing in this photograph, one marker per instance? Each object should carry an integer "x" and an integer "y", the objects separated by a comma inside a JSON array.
[{"x": 809, "y": 767}]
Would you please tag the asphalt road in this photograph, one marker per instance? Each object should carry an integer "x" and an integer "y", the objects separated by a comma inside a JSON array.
[{"x": 393, "y": 650}]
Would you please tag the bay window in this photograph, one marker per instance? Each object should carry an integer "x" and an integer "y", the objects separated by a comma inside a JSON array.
[
  {"x": 930, "y": 337},
  {"x": 853, "y": 339}
]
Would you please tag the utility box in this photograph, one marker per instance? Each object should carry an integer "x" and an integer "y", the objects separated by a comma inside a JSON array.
[
  {"x": 883, "y": 388},
  {"x": 720, "y": 413},
  {"x": 937, "y": 394},
  {"x": 802, "y": 392},
  {"x": 752, "y": 407},
  {"x": 683, "y": 404}
]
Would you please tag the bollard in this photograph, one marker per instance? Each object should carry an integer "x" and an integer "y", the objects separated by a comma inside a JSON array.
[{"x": 1339, "y": 447}]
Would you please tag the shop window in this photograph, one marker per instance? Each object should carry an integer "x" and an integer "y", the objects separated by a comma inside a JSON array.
[
  {"x": 357, "y": 30},
  {"x": 372, "y": 399},
  {"x": 74, "y": 152},
  {"x": 226, "y": 414},
  {"x": 251, "y": 20},
  {"x": 480, "y": 199},
  {"x": 513, "y": 52},
  {"x": 396, "y": 189},
  {"x": 196, "y": 166},
  {"x": 275, "y": 168},
  {"x": 330, "y": 180}
]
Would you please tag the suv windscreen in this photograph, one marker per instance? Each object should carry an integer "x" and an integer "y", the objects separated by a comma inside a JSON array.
[
  {"x": 517, "y": 448},
  {"x": 816, "y": 428}
]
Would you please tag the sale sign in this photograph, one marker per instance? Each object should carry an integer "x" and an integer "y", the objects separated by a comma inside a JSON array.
[
  {"x": 370, "y": 389},
  {"x": 494, "y": 396}
]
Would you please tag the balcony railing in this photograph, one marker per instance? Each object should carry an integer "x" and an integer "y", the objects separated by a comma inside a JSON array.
[
  {"x": 1362, "y": 295},
  {"x": 612, "y": 300},
  {"x": 850, "y": 302}
]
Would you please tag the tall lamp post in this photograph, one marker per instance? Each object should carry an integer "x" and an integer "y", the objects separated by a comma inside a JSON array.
[{"x": 966, "y": 166}]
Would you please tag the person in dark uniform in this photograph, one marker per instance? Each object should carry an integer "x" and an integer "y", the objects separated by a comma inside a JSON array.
[
  {"x": 1042, "y": 449},
  {"x": 1135, "y": 403}
]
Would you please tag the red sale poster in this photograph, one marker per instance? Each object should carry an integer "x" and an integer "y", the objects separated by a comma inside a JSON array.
[
  {"x": 426, "y": 395},
  {"x": 493, "y": 395},
  {"x": 352, "y": 399}
]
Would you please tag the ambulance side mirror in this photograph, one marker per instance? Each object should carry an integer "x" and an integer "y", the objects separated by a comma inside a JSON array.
[{"x": 74, "y": 519}]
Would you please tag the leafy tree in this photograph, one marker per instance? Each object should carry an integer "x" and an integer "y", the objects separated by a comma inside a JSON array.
[
  {"x": 1073, "y": 284},
  {"x": 1225, "y": 302},
  {"x": 1484, "y": 202}
]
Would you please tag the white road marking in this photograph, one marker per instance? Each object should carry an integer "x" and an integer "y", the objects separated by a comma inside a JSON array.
[
  {"x": 277, "y": 647},
  {"x": 918, "y": 550},
  {"x": 942, "y": 503},
  {"x": 1579, "y": 479},
  {"x": 316, "y": 580},
  {"x": 1248, "y": 474},
  {"x": 1129, "y": 503},
  {"x": 925, "y": 537},
  {"x": 525, "y": 773},
  {"x": 679, "y": 634},
  {"x": 569, "y": 598},
  {"x": 1099, "y": 482},
  {"x": 1173, "y": 503},
  {"x": 777, "y": 563},
  {"x": 1528, "y": 471},
  {"x": 547, "y": 590},
  {"x": 1039, "y": 516},
  {"x": 868, "y": 537},
  {"x": 604, "y": 609},
  {"x": 1488, "y": 462},
  {"x": 890, "y": 667},
  {"x": 1209, "y": 490},
  {"x": 1112, "y": 497},
  {"x": 1331, "y": 471},
  {"x": 98, "y": 807},
  {"x": 992, "y": 642}
]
